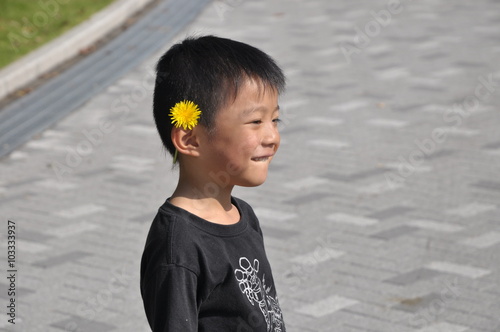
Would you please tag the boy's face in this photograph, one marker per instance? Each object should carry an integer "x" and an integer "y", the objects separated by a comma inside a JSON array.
[{"x": 246, "y": 138}]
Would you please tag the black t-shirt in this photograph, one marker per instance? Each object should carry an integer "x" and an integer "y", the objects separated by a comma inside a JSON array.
[{"x": 200, "y": 276}]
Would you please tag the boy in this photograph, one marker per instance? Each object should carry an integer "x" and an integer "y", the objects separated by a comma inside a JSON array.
[{"x": 204, "y": 267}]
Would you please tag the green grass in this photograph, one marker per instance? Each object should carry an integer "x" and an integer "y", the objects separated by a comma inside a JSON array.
[{"x": 27, "y": 24}]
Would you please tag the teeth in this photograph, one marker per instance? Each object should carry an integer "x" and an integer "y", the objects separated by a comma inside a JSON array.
[{"x": 261, "y": 159}]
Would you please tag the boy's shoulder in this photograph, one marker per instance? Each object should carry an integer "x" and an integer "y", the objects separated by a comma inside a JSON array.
[{"x": 177, "y": 237}]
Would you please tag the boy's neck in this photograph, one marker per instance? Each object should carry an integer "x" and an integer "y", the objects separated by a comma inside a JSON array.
[{"x": 206, "y": 200}]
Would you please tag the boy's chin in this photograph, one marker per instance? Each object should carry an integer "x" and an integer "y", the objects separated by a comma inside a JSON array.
[{"x": 252, "y": 182}]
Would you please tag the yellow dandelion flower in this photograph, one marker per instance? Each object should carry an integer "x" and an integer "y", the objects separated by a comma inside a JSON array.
[{"x": 185, "y": 114}]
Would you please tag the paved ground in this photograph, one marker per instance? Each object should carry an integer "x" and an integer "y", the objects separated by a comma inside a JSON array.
[{"x": 382, "y": 209}]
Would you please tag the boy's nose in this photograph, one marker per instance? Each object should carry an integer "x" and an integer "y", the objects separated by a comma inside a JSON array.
[{"x": 271, "y": 135}]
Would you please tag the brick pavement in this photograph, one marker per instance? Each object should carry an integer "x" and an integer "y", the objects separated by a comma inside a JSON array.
[{"x": 381, "y": 212}]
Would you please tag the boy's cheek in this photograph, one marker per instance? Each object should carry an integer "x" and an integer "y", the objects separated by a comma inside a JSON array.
[{"x": 248, "y": 143}]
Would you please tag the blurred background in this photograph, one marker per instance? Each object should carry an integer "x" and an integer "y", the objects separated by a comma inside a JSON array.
[{"x": 382, "y": 208}]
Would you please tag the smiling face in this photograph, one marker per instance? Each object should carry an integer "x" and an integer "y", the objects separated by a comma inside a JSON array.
[{"x": 245, "y": 138}]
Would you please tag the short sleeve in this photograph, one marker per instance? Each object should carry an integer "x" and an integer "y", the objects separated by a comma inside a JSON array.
[{"x": 170, "y": 299}]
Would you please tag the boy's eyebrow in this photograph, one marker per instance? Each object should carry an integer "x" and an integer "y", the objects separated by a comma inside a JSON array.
[{"x": 251, "y": 110}]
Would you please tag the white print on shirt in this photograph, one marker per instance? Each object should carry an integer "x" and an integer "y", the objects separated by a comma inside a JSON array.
[{"x": 257, "y": 292}]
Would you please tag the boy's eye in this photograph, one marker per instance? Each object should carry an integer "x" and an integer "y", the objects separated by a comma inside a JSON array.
[{"x": 275, "y": 121}]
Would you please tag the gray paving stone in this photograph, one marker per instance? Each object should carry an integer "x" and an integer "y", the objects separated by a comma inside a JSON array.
[
  {"x": 471, "y": 209},
  {"x": 61, "y": 259},
  {"x": 326, "y": 306},
  {"x": 304, "y": 199},
  {"x": 390, "y": 212},
  {"x": 352, "y": 219},
  {"x": 144, "y": 219},
  {"x": 418, "y": 303},
  {"x": 93, "y": 172},
  {"x": 413, "y": 277},
  {"x": 464, "y": 270},
  {"x": 23, "y": 182},
  {"x": 439, "y": 154},
  {"x": 488, "y": 185},
  {"x": 34, "y": 236},
  {"x": 356, "y": 176},
  {"x": 127, "y": 180},
  {"x": 444, "y": 326},
  {"x": 338, "y": 177},
  {"x": 20, "y": 291},
  {"x": 14, "y": 198},
  {"x": 483, "y": 240},
  {"x": 79, "y": 323},
  {"x": 435, "y": 226},
  {"x": 492, "y": 145},
  {"x": 278, "y": 232},
  {"x": 394, "y": 232}
]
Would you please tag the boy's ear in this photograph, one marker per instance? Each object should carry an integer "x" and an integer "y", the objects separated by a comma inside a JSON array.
[{"x": 185, "y": 141}]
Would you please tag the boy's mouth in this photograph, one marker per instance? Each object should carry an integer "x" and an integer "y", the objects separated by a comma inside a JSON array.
[{"x": 263, "y": 158}]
